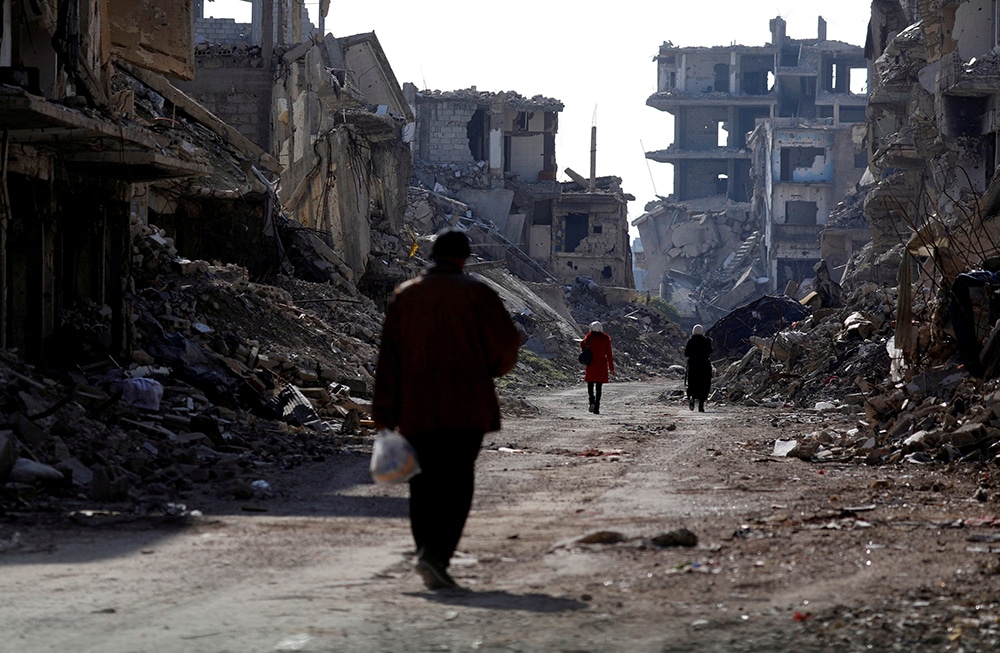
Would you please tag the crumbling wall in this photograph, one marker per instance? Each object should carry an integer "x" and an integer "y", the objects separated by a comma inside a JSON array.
[
  {"x": 698, "y": 127},
  {"x": 700, "y": 179},
  {"x": 364, "y": 183},
  {"x": 590, "y": 239},
  {"x": 701, "y": 74},
  {"x": 222, "y": 31},
  {"x": 155, "y": 35},
  {"x": 443, "y": 132},
  {"x": 234, "y": 85}
]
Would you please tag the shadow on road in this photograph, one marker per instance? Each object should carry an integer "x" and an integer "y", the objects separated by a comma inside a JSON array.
[{"x": 498, "y": 600}]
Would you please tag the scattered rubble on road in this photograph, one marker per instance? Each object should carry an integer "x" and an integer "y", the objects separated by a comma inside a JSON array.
[{"x": 232, "y": 378}]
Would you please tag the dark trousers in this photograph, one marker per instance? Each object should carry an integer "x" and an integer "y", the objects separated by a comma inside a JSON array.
[
  {"x": 594, "y": 392},
  {"x": 441, "y": 494}
]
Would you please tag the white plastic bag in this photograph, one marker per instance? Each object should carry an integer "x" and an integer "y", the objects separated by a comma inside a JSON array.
[
  {"x": 393, "y": 459},
  {"x": 142, "y": 392}
]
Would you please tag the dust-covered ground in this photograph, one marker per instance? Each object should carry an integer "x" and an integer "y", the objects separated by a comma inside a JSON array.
[{"x": 573, "y": 545}]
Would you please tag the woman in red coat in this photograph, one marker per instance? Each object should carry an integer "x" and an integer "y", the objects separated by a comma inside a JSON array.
[{"x": 602, "y": 361}]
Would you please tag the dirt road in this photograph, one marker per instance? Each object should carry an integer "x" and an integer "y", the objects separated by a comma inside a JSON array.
[{"x": 790, "y": 556}]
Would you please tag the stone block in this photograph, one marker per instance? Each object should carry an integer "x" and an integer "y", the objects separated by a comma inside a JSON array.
[
  {"x": 109, "y": 484},
  {"x": 29, "y": 432},
  {"x": 8, "y": 454},
  {"x": 965, "y": 436}
]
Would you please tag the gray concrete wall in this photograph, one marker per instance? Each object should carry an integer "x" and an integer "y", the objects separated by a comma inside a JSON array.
[{"x": 238, "y": 91}]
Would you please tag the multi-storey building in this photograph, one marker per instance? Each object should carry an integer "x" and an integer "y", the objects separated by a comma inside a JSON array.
[
  {"x": 762, "y": 138},
  {"x": 495, "y": 152}
]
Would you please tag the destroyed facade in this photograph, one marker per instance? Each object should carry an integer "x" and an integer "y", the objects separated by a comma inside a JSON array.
[
  {"x": 934, "y": 132},
  {"x": 767, "y": 140},
  {"x": 86, "y": 147},
  {"x": 298, "y": 96},
  {"x": 495, "y": 152}
]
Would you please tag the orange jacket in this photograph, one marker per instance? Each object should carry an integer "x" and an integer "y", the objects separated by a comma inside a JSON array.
[{"x": 445, "y": 337}]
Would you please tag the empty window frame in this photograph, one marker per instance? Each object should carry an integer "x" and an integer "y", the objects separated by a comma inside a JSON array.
[
  {"x": 798, "y": 212},
  {"x": 793, "y": 158},
  {"x": 577, "y": 228}
]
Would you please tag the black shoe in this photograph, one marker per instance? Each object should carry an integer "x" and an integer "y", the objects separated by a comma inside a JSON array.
[
  {"x": 597, "y": 409},
  {"x": 434, "y": 575},
  {"x": 691, "y": 403}
]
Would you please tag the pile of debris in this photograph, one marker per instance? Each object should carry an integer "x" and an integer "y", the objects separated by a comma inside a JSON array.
[
  {"x": 846, "y": 361},
  {"x": 228, "y": 379},
  {"x": 451, "y": 178}
]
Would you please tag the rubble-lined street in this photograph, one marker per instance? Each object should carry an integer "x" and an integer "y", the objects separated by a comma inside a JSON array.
[
  {"x": 201, "y": 226},
  {"x": 646, "y": 528}
]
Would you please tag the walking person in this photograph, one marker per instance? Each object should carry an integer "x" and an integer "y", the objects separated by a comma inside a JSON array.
[
  {"x": 698, "y": 351},
  {"x": 602, "y": 362},
  {"x": 445, "y": 337}
]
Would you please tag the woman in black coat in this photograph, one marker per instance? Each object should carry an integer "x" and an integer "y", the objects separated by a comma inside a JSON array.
[{"x": 699, "y": 370}]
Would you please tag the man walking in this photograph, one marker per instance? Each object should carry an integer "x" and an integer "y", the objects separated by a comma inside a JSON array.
[{"x": 446, "y": 336}]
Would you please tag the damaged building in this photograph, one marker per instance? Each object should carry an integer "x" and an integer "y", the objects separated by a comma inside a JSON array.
[
  {"x": 934, "y": 203},
  {"x": 495, "y": 152},
  {"x": 767, "y": 139},
  {"x": 256, "y": 146},
  {"x": 330, "y": 112},
  {"x": 81, "y": 157},
  {"x": 802, "y": 169}
]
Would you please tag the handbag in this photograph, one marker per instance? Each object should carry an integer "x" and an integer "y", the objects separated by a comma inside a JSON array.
[
  {"x": 394, "y": 459},
  {"x": 586, "y": 356}
]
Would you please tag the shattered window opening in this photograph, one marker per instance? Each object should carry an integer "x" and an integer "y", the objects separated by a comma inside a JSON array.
[
  {"x": 858, "y": 81},
  {"x": 478, "y": 134},
  {"x": 577, "y": 228},
  {"x": 542, "y": 213},
  {"x": 721, "y": 184},
  {"x": 722, "y": 134},
  {"x": 852, "y": 114},
  {"x": 799, "y": 158},
  {"x": 721, "y": 78},
  {"x": 522, "y": 121},
  {"x": 964, "y": 115},
  {"x": 790, "y": 55},
  {"x": 800, "y": 213}
]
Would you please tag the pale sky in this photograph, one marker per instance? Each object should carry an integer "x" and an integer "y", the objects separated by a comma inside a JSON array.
[{"x": 594, "y": 57}]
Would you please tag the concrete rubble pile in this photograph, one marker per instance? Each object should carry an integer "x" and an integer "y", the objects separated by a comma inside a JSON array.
[
  {"x": 705, "y": 257},
  {"x": 844, "y": 361},
  {"x": 228, "y": 379}
]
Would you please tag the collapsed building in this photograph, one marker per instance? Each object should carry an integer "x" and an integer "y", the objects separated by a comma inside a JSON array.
[
  {"x": 915, "y": 347},
  {"x": 495, "y": 152},
  {"x": 934, "y": 160},
  {"x": 767, "y": 140},
  {"x": 330, "y": 112},
  {"x": 87, "y": 147}
]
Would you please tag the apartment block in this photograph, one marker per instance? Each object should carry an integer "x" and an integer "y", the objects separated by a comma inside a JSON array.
[{"x": 766, "y": 140}]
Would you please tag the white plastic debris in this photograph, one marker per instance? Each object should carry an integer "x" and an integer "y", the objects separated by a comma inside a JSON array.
[
  {"x": 784, "y": 447},
  {"x": 142, "y": 392}
]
